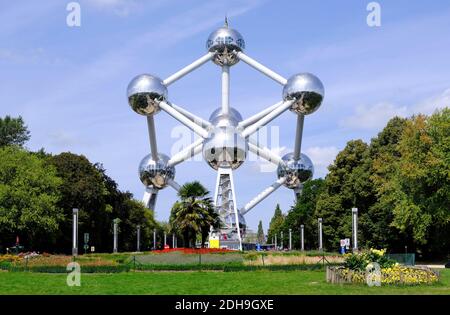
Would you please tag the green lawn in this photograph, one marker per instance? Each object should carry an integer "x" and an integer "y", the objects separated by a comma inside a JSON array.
[{"x": 255, "y": 282}]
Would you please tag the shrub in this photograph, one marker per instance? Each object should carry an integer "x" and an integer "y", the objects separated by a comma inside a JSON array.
[{"x": 359, "y": 261}]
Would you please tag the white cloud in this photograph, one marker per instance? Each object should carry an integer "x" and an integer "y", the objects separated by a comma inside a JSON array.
[
  {"x": 376, "y": 116},
  {"x": 428, "y": 106},
  {"x": 321, "y": 158},
  {"x": 373, "y": 117}
]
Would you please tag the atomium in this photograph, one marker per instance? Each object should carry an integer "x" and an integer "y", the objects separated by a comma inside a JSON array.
[
  {"x": 156, "y": 173},
  {"x": 145, "y": 92},
  {"x": 296, "y": 172},
  {"x": 225, "y": 139},
  {"x": 307, "y": 92}
]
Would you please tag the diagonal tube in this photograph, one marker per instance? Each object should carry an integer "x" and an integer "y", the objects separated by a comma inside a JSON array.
[
  {"x": 188, "y": 152},
  {"x": 261, "y": 68},
  {"x": 199, "y": 121},
  {"x": 183, "y": 119},
  {"x": 266, "y": 119},
  {"x": 265, "y": 153},
  {"x": 263, "y": 195},
  {"x": 247, "y": 122},
  {"x": 179, "y": 74}
]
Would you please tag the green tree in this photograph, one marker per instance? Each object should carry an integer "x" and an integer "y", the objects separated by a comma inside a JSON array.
[
  {"x": 194, "y": 214},
  {"x": 303, "y": 212},
  {"x": 276, "y": 224},
  {"x": 416, "y": 185},
  {"x": 29, "y": 196},
  {"x": 13, "y": 131},
  {"x": 260, "y": 234},
  {"x": 347, "y": 185},
  {"x": 87, "y": 187}
]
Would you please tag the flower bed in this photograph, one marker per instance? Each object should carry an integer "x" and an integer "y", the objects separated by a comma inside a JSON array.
[
  {"x": 397, "y": 275},
  {"x": 390, "y": 272}
]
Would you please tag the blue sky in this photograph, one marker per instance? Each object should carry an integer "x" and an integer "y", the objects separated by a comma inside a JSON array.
[{"x": 69, "y": 84}]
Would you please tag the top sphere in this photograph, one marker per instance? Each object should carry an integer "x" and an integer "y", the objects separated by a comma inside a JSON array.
[
  {"x": 145, "y": 92},
  {"x": 307, "y": 90},
  {"x": 223, "y": 42}
]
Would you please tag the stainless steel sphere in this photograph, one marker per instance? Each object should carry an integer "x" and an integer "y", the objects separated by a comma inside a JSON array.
[
  {"x": 219, "y": 119},
  {"x": 156, "y": 174},
  {"x": 296, "y": 172},
  {"x": 145, "y": 92},
  {"x": 225, "y": 147},
  {"x": 223, "y": 42},
  {"x": 307, "y": 90}
]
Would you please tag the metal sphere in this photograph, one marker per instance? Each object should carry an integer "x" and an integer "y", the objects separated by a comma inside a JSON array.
[
  {"x": 296, "y": 172},
  {"x": 156, "y": 174},
  {"x": 307, "y": 90},
  {"x": 225, "y": 147},
  {"x": 220, "y": 119},
  {"x": 145, "y": 92},
  {"x": 223, "y": 42}
]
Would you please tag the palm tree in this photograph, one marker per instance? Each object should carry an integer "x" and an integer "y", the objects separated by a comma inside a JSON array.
[{"x": 194, "y": 213}]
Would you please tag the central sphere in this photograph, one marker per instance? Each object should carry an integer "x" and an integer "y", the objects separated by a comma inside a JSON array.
[
  {"x": 223, "y": 42},
  {"x": 296, "y": 172},
  {"x": 156, "y": 174},
  {"x": 145, "y": 92},
  {"x": 225, "y": 147}
]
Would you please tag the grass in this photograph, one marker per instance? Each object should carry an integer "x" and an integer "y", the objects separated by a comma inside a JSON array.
[{"x": 197, "y": 282}]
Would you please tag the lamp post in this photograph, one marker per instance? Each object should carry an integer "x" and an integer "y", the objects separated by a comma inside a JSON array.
[
  {"x": 165, "y": 239},
  {"x": 75, "y": 232},
  {"x": 154, "y": 239},
  {"x": 138, "y": 234},
  {"x": 355, "y": 228},
  {"x": 281, "y": 240},
  {"x": 302, "y": 237},
  {"x": 290, "y": 239},
  {"x": 320, "y": 233},
  {"x": 276, "y": 245},
  {"x": 115, "y": 230}
]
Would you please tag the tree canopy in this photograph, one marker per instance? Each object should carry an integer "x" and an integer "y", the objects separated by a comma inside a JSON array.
[
  {"x": 400, "y": 183},
  {"x": 13, "y": 131}
]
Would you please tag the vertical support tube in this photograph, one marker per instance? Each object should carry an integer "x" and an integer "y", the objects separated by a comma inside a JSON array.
[
  {"x": 173, "y": 240},
  {"x": 298, "y": 136},
  {"x": 276, "y": 245},
  {"x": 290, "y": 239},
  {"x": 281, "y": 240},
  {"x": 152, "y": 137},
  {"x": 154, "y": 239},
  {"x": 355, "y": 228},
  {"x": 115, "y": 228},
  {"x": 75, "y": 232},
  {"x": 165, "y": 239},
  {"x": 138, "y": 236},
  {"x": 302, "y": 237},
  {"x": 320, "y": 233},
  {"x": 225, "y": 89}
]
